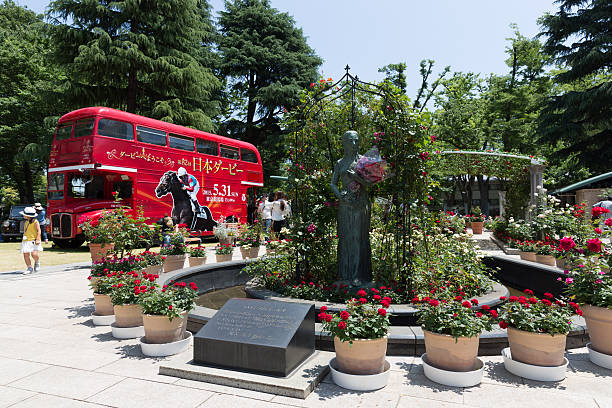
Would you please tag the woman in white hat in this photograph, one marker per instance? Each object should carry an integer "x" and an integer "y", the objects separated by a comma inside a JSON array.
[{"x": 31, "y": 240}]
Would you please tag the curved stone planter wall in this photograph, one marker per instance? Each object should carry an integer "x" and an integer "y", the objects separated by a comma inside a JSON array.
[{"x": 403, "y": 339}]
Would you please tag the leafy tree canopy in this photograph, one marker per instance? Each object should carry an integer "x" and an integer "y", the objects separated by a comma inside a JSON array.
[
  {"x": 579, "y": 38},
  {"x": 150, "y": 57}
]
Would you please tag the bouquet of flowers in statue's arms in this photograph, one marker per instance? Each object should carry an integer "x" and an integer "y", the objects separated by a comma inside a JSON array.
[{"x": 372, "y": 167}]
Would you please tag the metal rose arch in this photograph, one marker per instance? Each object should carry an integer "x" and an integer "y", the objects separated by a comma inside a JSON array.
[{"x": 383, "y": 117}]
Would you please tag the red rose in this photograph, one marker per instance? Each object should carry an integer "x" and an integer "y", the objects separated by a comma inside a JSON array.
[
  {"x": 513, "y": 299},
  {"x": 485, "y": 307},
  {"x": 377, "y": 297},
  {"x": 546, "y": 302},
  {"x": 594, "y": 245},
  {"x": 384, "y": 304},
  {"x": 344, "y": 315},
  {"x": 503, "y": 325},
  {"x": 474, "y": 302},
  {"x": 466, "y": 304},
  {"x": 548, "y": 295},
  {"x": 382, "y": 312},
  {"x": 493, "y": 313},
  {"x": 363, "y": 300},
  {"x": 328, "y": 318},
  {"x": 478, "y": 314},
  {"x": 434, "y": 302},
  {"x": 608, "y": 222},
  {"x": 342, "y": 325},
  {"x": 361, "y": 293},
  {"x": 528, "y": 291},
  {"x": 533, "y": 300},
  {"x": 323, "y": 308},
  {"x": 458, "y": 298},
  {"x": 415, "y": 299},
  {"x": 566, "y": 243},
  {"x": 597, "y": 211},
  {"x": 170, "y": 307},
  {"x": 375, "y": 290}
]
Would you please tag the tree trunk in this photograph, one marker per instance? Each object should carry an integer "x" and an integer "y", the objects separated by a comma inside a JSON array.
[
  {"x": 131, "y": 90},
  {"x": 251, "y": 105},
  {"x": 27, "y": 194},
  {"x": 483, "y": 188}
]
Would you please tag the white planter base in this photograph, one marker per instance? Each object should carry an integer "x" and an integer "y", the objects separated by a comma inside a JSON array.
[
  {"x": 360, "y": 382},
  {"x": 600, "y": 359},
  {"x": 453, "y": 378},
  {"x": 533, "y": 372},
  {"x": 100, "y": 320},
  {"x": 127, "y": 332},
  {"x": 165, "y": 349}
]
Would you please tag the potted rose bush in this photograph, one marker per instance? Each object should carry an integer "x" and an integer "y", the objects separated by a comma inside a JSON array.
[
  {"x": 197, "y": 256},
  {"x": 175, "y": 253},
  {"x": 153, "y": 262},
  {"x": 591, "y": 287},
  {"x": 99, "y": 232},
  {"x": 537, "y": 328},
  {"x": 125, "y": 294},
  {"x": 477, "y": 220},
  {"x": 544, "y": 254},
  {"x": 165, "y": 311},
  {"x": 452, "y": 331},
  {"x": 527, "y": 250},
  {"x": 102, "y": 287},
  {"x": 223, "y": 252},
  {"x": 360, "y": 335}
]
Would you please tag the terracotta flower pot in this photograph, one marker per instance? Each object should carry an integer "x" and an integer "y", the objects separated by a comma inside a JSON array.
[
  {"x": 128, "y": 315},
  {"x": 539, "y": 349},
  {"x": 560, "y": 262},
  {"x": 363, "y": 357},
  {"x": 476, "y": 229},
  {"x": 104, "y": 306},
  {"x": 174, "y": 262},
  {"x": 244, "y": 252},
  {"x": 224, "y": 258},
  {"x": 160, "y": 329},
  {"x": 196, "y": 260},
  {"x": 254, "y": 252},
  {"x": 99, "y": 251},
  {"x": 527, "y": 256},
  {"x": 546, "y": 260},
  {"x": 449, "y": 353},
  {"x": 153, "y": 269},
  {"x": 599, "y": 324}
]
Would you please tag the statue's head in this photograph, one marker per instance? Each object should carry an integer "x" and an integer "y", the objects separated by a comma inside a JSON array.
[{"x": 350, "y": 142}]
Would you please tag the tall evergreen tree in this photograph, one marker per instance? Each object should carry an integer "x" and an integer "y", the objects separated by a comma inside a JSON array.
[
  {"x": 267, "y": 61},
  {"x": 145, "y": 56},
  {"x": 28, "y": 96},
  {"x": 579, "y": 37}
]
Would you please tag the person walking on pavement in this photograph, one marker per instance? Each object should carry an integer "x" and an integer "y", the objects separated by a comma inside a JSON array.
[
  {"x": 41, "y": 216},
  {"x": 30, "y": 244},
  {"x": 280, "y": 211},
  {"x": 265, "y": 209}
]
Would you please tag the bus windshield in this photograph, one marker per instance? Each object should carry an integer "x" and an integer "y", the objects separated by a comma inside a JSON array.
[{"x": 81, "y": 186}]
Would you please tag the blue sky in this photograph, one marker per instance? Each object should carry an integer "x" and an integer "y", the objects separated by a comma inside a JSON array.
[{"x": 468, "y": 35}]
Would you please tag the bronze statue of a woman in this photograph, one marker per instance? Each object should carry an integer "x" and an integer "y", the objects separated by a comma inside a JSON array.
[{"x": 354, "y": 252}]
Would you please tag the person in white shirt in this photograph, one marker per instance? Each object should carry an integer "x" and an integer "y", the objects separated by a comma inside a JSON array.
[
  {"x": 265, "y": 209},
  {"x": 280, "y": 211}
]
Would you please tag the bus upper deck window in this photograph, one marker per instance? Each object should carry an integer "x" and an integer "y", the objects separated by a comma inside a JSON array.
[
  {"x": 83, "y": 127},
  {"x": 181, "y": 142},
  {"x": 207, "y": 147},
  {"x": 63, "y": 131},
  {"x": 248, "y": 156},
  {"x": 229, "y": 152},
  {"x": 151, "y": 136},
  {"x": 116, "y": 129}
]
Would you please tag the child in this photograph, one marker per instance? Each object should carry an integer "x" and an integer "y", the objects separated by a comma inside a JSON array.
[{"x": 31, "y": 240}]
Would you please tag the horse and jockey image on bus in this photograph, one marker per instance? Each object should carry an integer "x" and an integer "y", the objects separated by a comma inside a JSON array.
[
  {"x": 186, "y": 208},
  {"x": 198, "y": 178}
]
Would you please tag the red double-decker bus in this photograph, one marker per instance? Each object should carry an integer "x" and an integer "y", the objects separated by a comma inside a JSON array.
[{"x": 196, "y": 177}]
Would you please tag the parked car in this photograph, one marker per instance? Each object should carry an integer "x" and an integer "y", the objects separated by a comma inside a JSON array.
[{"x": 12, "y": 228}]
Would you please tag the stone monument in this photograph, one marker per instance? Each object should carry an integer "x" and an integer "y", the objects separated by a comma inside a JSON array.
[
  {"x": 354, "y": 208},
  {"x": 260, "y": 336}
]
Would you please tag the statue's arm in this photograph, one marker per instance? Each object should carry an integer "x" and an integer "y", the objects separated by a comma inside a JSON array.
[
  {"x": 334, "y": 183},
  {"x": 358, "y": 178}
]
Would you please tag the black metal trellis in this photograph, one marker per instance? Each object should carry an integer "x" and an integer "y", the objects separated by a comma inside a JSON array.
[{"x": 347, "y": 87}]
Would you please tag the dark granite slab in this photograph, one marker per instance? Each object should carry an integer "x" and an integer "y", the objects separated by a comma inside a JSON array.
[{"x": 257, "y": 336}]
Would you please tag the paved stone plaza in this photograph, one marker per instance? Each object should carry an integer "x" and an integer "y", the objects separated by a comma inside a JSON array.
[{"x": 52, "y": 356}]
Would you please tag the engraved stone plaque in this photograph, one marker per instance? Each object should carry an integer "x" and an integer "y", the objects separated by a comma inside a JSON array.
[{"x": 257, "y": 335}]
